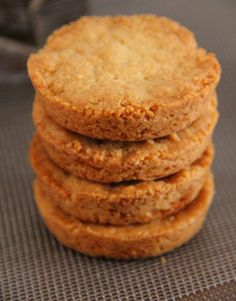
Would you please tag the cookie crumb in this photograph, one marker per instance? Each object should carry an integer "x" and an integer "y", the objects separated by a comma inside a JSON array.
[
  {"x": 163, "y": 260},
  {"x": 174, "y": 137}
]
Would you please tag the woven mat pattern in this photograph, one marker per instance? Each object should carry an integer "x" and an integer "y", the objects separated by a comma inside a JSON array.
[{"x": 33, "y": 266}]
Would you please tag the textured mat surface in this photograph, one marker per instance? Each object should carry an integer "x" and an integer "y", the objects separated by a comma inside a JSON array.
[{"x": 33, "y": 266}]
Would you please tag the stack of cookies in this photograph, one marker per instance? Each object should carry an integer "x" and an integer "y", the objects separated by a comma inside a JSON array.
[{"x": 125, "y": 109}]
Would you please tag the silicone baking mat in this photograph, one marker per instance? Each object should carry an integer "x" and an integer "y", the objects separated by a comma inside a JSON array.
[{"x": 33, "y": 266}]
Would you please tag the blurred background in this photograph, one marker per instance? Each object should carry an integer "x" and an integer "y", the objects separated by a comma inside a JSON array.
[{"x": 24, "y": 26}]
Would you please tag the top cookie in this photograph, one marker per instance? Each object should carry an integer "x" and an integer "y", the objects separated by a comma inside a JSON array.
[{"x": 124, "y": 78}]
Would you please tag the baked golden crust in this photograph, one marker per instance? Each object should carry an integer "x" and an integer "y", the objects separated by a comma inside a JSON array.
[
  {"x": 97, "y": 160},
  {"x": 123, "y": 78},
  {"x": 127, "y": 242},
  {"x": 123, "y": 203}
]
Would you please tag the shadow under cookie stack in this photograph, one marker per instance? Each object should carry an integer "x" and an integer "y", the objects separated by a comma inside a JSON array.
[{"x": 125, "y": 109}]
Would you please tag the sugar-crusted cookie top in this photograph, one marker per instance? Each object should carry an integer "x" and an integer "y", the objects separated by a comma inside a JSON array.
[{"x": 109, "y": 63}]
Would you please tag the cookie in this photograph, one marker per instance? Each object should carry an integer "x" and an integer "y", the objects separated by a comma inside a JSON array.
[
  {"x": 126, "y": 242},
  {"x": 106, "y": 162},
  {"x": 124, "y": 78},
  {"x": 123, "y": 203}
]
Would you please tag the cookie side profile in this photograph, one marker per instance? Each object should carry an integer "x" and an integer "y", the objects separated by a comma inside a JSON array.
[
  {"x": 123, "y": 203},
  {"x": 96, "y": 160},
  {"x": 123, "y": 78},
  {"x": 127, "y": 242}
]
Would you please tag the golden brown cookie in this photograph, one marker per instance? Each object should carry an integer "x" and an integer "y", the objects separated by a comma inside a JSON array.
[
  {"x": 106, "y": 162},
  {"x": 123, "y": 203},
  {"x": 126, "y": 242},
  {"x": 125, "y": 78}
]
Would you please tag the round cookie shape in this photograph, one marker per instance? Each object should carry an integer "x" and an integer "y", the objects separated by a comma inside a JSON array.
[
  {"x": 123, "y": 78},
  {"x": 126, "y": 242},
  {"x": 119, "y": 204},
  {"x": 97, "y": 160}
]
